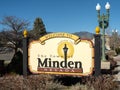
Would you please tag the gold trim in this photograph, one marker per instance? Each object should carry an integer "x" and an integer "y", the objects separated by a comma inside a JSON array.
[
  {"x": 59, "y": 35},
  {"x": 25, "y": 33},
  {"x": 97, "y": 30}
]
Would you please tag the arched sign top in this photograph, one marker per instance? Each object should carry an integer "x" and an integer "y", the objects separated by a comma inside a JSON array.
[{"x": 59, "y": 35}]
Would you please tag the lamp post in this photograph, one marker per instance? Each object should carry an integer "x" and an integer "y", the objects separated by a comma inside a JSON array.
[
  {"x": 65, "y": 49},
  {"x": 103, "y": 21}
]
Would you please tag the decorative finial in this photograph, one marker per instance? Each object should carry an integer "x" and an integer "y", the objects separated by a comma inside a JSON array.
[
  {"x": 25, "y": 33},
  {"x": 97, "y": 30}
]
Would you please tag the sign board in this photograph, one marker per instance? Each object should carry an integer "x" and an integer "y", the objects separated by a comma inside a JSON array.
[{"x": 61, "y": 53}]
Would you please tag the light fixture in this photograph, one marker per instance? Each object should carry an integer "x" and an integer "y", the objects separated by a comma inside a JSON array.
[
  {"x": 98, "y": 7},
  {"x": 107, "y": 6}
]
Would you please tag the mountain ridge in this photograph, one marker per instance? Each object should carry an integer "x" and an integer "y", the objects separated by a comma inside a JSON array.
[{"x": 84, "y": 34}]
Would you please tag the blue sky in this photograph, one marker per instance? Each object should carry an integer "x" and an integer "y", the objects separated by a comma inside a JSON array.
[{"x": 61, "y": 15}]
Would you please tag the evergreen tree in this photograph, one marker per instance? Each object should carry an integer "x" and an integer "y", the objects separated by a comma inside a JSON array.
[{"x": 39, "y": 28}]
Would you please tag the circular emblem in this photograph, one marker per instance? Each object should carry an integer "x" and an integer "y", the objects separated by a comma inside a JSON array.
[{"x": 62, "y": 46}]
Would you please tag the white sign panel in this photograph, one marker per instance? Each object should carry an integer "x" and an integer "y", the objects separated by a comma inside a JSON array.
[{"x": 61, "y": 53}]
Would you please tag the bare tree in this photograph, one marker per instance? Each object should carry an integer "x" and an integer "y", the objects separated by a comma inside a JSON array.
[
  {"x": 115, "y": 40},
  {"x": 12, "y": 31}
]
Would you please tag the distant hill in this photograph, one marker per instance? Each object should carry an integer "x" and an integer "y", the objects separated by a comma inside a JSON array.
[{"x": 84, "y": 34}]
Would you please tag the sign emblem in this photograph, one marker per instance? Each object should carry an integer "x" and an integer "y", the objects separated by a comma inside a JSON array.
[{"x": 69, "y": 46}]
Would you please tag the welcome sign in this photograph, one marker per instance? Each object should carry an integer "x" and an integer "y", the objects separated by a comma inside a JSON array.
[{"x": 61, "y": 53}]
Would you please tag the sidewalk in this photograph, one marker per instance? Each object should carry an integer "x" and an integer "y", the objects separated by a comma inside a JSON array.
[{"x": 117, "y": 58}]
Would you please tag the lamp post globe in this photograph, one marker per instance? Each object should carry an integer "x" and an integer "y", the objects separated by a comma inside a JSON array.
[
  {"x": 98, "y": 7},
  {"x": 107, "y": 6}
]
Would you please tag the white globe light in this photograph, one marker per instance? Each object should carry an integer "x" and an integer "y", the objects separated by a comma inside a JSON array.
[
  {"x": 107, "y": 6},
  {"x": 98, "y": 7}
]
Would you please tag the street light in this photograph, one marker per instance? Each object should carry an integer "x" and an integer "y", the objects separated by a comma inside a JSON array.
[{"x": 103, "y": 21}]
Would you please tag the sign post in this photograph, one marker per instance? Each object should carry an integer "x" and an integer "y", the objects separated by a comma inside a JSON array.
[
  {"x": 25, "y": 53},
  {"x": 97, "y": 51}
]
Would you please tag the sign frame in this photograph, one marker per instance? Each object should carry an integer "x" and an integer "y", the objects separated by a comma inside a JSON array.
[{"x": 76, "y": 40}]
